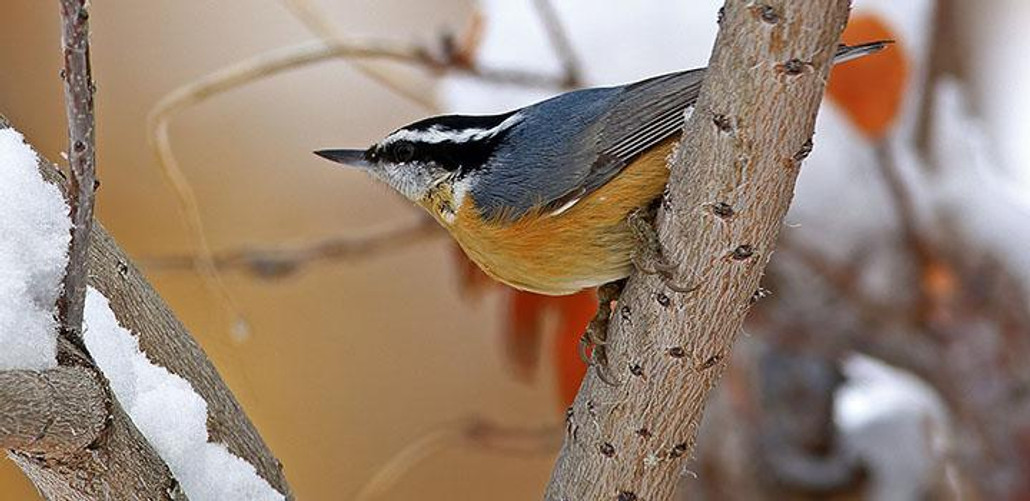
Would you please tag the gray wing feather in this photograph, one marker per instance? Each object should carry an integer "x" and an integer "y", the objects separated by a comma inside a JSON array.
[
  {"x": 566, "y": 147},
  {"x": 650, "y": 111},
  {"x": 643, "y": 115}
]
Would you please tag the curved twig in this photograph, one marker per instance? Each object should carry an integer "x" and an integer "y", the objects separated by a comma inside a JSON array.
[
  {"x": 215, "y": 83},
  {"x": 317, "y": 22}
]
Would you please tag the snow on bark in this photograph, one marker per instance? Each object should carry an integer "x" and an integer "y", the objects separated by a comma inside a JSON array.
[
  {"x": 169, "y": 413},
  {"x": 34, "y": 234}
]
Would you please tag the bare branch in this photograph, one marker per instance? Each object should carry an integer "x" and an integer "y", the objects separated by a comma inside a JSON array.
[
  {"x": 317, "y": 21},
  {"x": 924, "y": 259},
  {"x": 559, "y": 38},
  {"x": 120, "y": 465},
  {"x": 57, "y": 411},
  {"x": 73, "y": 440},
  {"x": 844, "y": 281},
  {"x": 667, "y": 349},
  {"x": 78, "y": 96},
  {"x": 279, "y": 262}
]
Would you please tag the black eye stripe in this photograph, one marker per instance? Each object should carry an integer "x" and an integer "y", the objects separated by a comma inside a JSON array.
[
  {"x": 466, "y": 156},
  {"x": 461, "y": 157},
  {"x": 403, "y": 151}
]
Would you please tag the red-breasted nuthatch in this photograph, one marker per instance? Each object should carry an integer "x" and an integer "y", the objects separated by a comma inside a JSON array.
[{"x": 539, "y": 197}]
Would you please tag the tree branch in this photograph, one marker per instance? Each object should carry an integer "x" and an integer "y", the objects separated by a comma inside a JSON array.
[
  {"x": 278, "y": 262},
  {"x": 73, "y": 440},
  {"x": 78, "y": 97},
  {"x": 740, "y": 152},
  {"x": 116, "y": 460},
  {"x": 54, "y": 411},
  {"x": 121, "y": 461}
]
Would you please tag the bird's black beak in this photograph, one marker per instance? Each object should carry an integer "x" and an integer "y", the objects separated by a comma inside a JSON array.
[{"x": 354, "y": 158}]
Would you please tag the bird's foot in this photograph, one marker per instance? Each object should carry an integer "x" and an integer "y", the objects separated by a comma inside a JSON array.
[
  {"x": 649, "y": 257},
  {"x": 593, "y": 344}
]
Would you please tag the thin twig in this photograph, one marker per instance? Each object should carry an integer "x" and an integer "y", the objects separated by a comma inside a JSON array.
[
  {"x": 901, "y": 197},
  {"x": 317, "y": 22},
  {"x": 560, "y": 41},
  {"x": 78, "y": 96},
  {"x": 274, "y": 263},
  {"x": 845, "y": 282}
]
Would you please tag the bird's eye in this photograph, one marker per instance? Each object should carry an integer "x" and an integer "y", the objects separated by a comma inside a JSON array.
[{"x": 403, "y": 151}]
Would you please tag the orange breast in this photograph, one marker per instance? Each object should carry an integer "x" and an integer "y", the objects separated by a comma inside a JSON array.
[{"x": 587, "y": 245}]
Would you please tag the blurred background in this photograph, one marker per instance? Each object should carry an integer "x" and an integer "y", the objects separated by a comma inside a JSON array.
[{"x": 888, "y": 362}]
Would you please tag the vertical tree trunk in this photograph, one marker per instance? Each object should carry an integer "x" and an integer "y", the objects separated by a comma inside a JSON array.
[{"x": 732, "y": 181}]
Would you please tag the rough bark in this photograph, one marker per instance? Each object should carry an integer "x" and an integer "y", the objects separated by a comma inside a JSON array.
[
  {"x": 60, "y": 410},
  {"x": 121, "y": 453},
  {"x": 167, "y": 343},
  {"x": 119, "y": 464},
  {"x": 732, "y": 181}
]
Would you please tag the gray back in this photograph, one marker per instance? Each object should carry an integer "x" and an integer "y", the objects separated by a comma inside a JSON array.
[{"x": 570, "y": 145}]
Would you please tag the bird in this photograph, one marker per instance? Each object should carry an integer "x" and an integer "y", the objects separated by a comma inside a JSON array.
[{"x": 544, "y": 198}]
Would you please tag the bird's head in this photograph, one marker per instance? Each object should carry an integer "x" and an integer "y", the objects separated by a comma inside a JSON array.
[{"x": 419, "y": 158}]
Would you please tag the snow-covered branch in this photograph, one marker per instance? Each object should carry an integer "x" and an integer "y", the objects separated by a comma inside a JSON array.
[
  {"x": 741, "y": 153},
  {"x": 160, "y": 381}
]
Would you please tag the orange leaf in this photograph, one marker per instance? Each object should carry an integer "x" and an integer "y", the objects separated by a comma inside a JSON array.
[{"x": 871, "y": 89}]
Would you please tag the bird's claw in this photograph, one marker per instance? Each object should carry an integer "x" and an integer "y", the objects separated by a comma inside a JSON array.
[
  {"x": 649, "y": 257},
  {"x": 593, "y": 343}
]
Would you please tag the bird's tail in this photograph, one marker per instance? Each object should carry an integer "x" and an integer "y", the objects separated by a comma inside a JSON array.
[{"x": 846, "y": 53}]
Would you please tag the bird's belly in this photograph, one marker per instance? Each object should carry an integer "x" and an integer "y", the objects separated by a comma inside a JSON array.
[{"x": 587, "y": 245}]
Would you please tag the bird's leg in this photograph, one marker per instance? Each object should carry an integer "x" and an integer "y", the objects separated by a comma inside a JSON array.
[
  {"x": 649, "y": 257},
  {"x": 596, "y": 336}
]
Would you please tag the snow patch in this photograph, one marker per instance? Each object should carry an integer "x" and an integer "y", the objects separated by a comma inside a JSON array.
[
  {"x": 169, "y": 413},
  {"x": 34, "y": 236},
  {"x": 895, "y": 423},
  {"x": 987, "y": 202}
]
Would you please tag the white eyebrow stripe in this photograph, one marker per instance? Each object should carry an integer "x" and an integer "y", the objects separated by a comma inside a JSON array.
[{"x": 437, "y": 134}]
